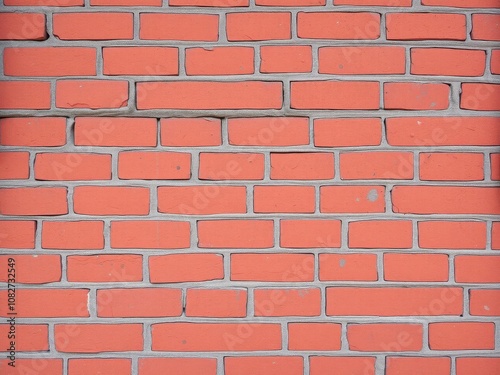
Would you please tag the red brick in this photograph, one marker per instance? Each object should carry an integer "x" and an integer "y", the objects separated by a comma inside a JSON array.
[
  {"x": 154, "y": 3},
  {"x": 209, "y": 95},
  {"x": 219, "y": 61},
  {"x": 284, "y": 199},
  {"x": 18, "y": 234},
  {"x": 290, "y": 3},
  {"x": 29, "y": 338},
  {"x": 151, "y": 165},
  {"x": 93, "y": 26},
  {"x": 485, "y": 27},
  {"x": 461, "y": 336},
  {"x": 343, "y": 365},
  {"x": 33, "y": 303},
  {"x": 231, "y": 166},
  {"x": 209, "y": 3},
  {"x": 425, "y": 26},
  {"x": 111, "y": 200},
  {"x": 495, "y": 61},
  {"x": 477, "y": 269},
  {"x": 253, "y": 26},
  {"x": 418, "y": 365},
  {"x": 334, "y": 95},
  {"x": 471, "y": 365},
  {"x": 362, "y": 60},
  {"x": 440, "y": 166},
  {"x": 390, "y": 234},
  {"x": 268, "y": 131},
  {"x": 393, "y": 301},
  {"x": 352, "y": 199},
  {"x": 50, "y": 366},
  {"x": 33, "y": 131},
  {"x": 115, "y": 131},
  {"x": 285, "y": 59},
  {"x": 314, "y": 336},
  {"x": 147, "y": 234},
  {"x": 463, "y": 3},
  {"x": 216, "y": 303},
  {"x": 448, "y": 62},
  {"x": 25, "y": 95},
  {"x": 484, "y": 302},
  {"x": 348, "y": 267},
  {"x": 97, "y": 338},
  {"x": 452, "y": 235},
  {"x": 241, "y": 234},
  {"x": 443, "y": 131},
  {"x": 338, "y": 25},
  {"x": 272, "y": 267},
  {"x": 202, "y": 199},
  {"x": 416, "y": 96},
  {"x": 50, "y": 61},
  {"x": 480, "y": 97},
  {"x": 495, "y": 236},
  {"x": 385, "y": 337},
  {"x": 209, "y": 337},
  {"x": 344, "y": 132},
  {"x": 389, "y": 3},
  {"x": 302, "y": 166},
  {"x": 177, "y": 268},
  {"x": 300, "y": 234},
  {"x": 265, "y": 365},
  {"x": 170, "y": 365},
  {"x": 139, "y": 302},
  {"x": 86, "y": 366},
  {"x": 14, "y": 165},
  {"x": 495, "y": 167},
  {"x": 415, "y": 267},
  {"x": 287, "y": 302},
  {"x": 140, "y": 61},
  {"x": 185, "y": 27},
  {"x": 376, "y": 165},
  {"x": 191, "y": 132},
  {"x": 73, "y": 235},
  {"x": 48, "y": 3},
  {"x": 34, "y": 201},
  {"x": 446, "y": 200},
  {"x": 93, "y": 94},
  {"x": 22, "y": 26},
  {"x": 72, "y": 166},
  {"x": 34, "y": 269},
  {"x": 104, "y": 268}
]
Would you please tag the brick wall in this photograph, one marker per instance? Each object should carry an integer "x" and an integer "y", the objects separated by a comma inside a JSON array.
[{"x": 250, "y": 187}]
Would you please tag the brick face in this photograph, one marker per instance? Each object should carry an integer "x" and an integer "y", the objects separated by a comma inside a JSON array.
[{"x": 242, "y": 187}]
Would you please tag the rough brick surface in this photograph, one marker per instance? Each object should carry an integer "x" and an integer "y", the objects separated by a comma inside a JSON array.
[{"x": 250, "y": 187}]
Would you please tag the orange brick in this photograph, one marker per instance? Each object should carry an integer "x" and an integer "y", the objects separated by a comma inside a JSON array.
[
  {"x": 362, "y": 60},
  {"x": 348, "y": 267},
  {"x": 18, "y": 234},
  {"x": 265, "y": 365},
  {"x": 209, "y": 3},
  {"x": 310, "y": 233},
  {"x": 191, "y": 132},
  {"x": 268, "y": 131},
  {"x": 202, "y": 199},
  {"x": 390, "y": 234},
  {"x": 418, "y": 365},
  {"x": 461, "y": 336},
  {"x": 385, "y": 337},
  {"x": 216, "y": 303},
  {"x": 319, "y": 365},
  {"x": 376, "y": 165},
  {"x": 93, "y": 26},
  {"x": 471, "y": 365},
  {"x": 352, "y": 199},
  {"x": 104, "y": 268},
  {"x": 111, "y": 200},
  {"x": 290, "y": 3},
  {"x": 29, "y": 338},
  {"x": 51, "y": 366},
  {"x": 302, "y": 166},
  {"x": 140, "y": 61},
  {"x": 484, "y": 302},
  {"x": 34, "y": 269},
  {"x": 452, "y": 234},
  {"x": 25, "y": 95},
  {"x": 485, "y": 26},
  {"x": 480, "y": 97},
  {"x": 85, "y": 366},
  {"x": 284, "y": 199},
  {"x": 463, "y": 4},
  {"x": 139, "y": 302},
  {"x": 344, "y": 132},
  {"x": 33, "y": 131},
  {"x": 495, "y": 236},
  {"x": 93, "y": 94},
  {"x": 440, "y": 166},
  {"x": 185, "y": 27},
  {"x": 338, "y": 25},
  {"x": 72, "y": 166},
  {"x": 425, "y": 26},
  {"x": 135, "y": 165},
  {"x": 393, "y": 301},
  {"x": 437, "y": 61},
  {"x": 285, "y": 59},
  {"x": 255, "y": 26},
  {"x": 177, "y": 268},
  {"x": 243, "y": 234},
  {"x": 287, "y": 302},
  {"x": 147, "y": 234},
  {"x": 314, "y": 336},
  {"x": 416, "y": 96},
  {"x": 34, "y": 201},
  {"x": 154, "y": 3},
  {"x": 219, "y": 61},
  {"x": 231, "y": 166},
  {"x": 477, "y": 269},
  {"x": 169, "y": 365},
  {"x": 73, "y": 235},
  {"x": 22, "y": 26},
  {"x": 14, "y": 165},
  {"x": 415, "y": 267},
  {"x": 48, "y": 3}
]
